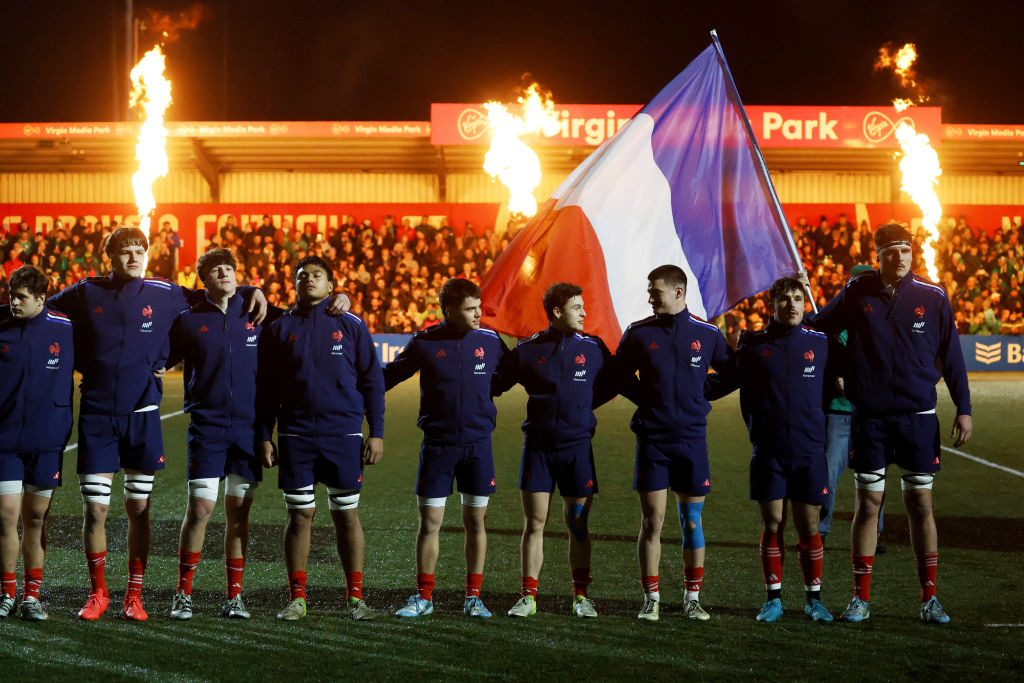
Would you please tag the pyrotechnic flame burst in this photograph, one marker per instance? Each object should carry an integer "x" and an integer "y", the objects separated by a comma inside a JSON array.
[
  {"x": 150, "y": 97},
  {"x": 511, "y": 160},
  {"x": 919, "y": 163}
]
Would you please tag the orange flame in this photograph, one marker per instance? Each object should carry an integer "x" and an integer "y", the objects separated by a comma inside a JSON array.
[
  {"x": 150, "y": 97},
  {"x": 511, "y": 160},
  {"x": 170, "y": 28},
  {"x": 901, "y": 62}
]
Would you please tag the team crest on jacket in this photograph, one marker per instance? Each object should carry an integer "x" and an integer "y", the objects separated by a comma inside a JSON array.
[
  {"x": 203, "y": 329},
  {"x": 581, "y": 359},
  {"x": 147, "y": 326},
  {"x": 337, "y": 349},
  {"x": 250, "y": 326},
  {"x": 479, "y": 353},
  {"x": 695, "y": 345},
  {"x": 337, "y": 335},
  {"x": 55, "y": 348},
  {"x": 147, "y": 312},
  {"x": 919, "y": 311},
  {"x": 809, "y": 355}
]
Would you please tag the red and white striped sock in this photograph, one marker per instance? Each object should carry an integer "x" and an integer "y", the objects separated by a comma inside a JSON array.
[
  {"x": 33, "y": 582},
  {"x": 580, "y": 581},
  {"x": 529, "y": 587},
  {"x": 354, "y": 585},
  {"x": 136, "y": 569},
  {"x": 425, "y": 586},
  {"x": 771, "y": 552},
  {"x": 927, "y": 571},
  {"x": 812, "y": 556},
  {"x": 297, "y": 585},
  {"x": 9, "y": 583},
  {"x": 97, "y": 563},
  {"x": 233, "y": 567},
  {"x": 650, "y": 584},
  {"x": 473, "y": 583},
  {"x": 862, "y": 576},
  {"x": 693, "y": 578},
  {"x": 187, "y": 563}
]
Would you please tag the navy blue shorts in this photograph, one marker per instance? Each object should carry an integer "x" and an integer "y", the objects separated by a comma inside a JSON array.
[
  {"x": 215, "y": 452},
  {"x": 909, "y": 441},
  {"x": 333, "y": 461},
  {"x": 678, "y": 465},
  {"x": 471, "y": 466},
  {"x": 108, "y": 443},
  {"x": 37, "y": 469},
  {"x": 800, "y": 478},
  {"x": 570, "y": 467}
]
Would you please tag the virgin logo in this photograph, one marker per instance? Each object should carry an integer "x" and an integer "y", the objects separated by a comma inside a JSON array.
[
  {"x": 878, "y": 126},
  {"x": 472, "y": 123}
]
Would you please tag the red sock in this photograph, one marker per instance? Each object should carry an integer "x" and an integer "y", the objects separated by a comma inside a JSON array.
[
  {"x": 297, "y": 585},
  {"x": 233, "y": 567},
  {"x": 33, "y": 581},
  {"x": 9, "y": 581},
  {"x": 187, "y": 563},
  {"x": 771, "y": 559},
  {"x": 354, "y": 581},
  {"x": 694, "y": 577},
  {"x": 97, "y": 563},
  {"x": 473, "y": 583},
  {"x": 530, "y": 587},
  {"x": 927, "y": 568},
  {"x": 580, "y": 581},
  {"x": 136, "y": 568},
  {"x": 649, "y": 584},
  {"x": 425, "y": 585},
  {"x": 812, "y": 556},
  {"x": 862, "y": 575}
]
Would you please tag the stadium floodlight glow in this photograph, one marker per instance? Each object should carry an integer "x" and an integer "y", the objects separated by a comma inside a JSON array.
[{"x": 150, "y": 97}]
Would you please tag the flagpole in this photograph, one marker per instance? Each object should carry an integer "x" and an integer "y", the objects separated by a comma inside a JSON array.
[{"x": 776, "y": 204}]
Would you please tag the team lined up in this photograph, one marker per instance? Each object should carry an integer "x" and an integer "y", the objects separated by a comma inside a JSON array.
[{"x": 312, "y": 373}]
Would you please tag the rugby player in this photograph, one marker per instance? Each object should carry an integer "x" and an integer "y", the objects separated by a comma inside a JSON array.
[
  {"x": 780, "y": 373},
  {"x": 120, "y": 325},
  {"x": 36, "y": 384},
  {"x": 902, "y": 339},
  {"x": 317, "y": 377},
  {"x": 456, "y": 360},
  {"x": 559, "y": 367},
  {"x": 672, "y": 350},
  {"x": 218, "y": 343}
]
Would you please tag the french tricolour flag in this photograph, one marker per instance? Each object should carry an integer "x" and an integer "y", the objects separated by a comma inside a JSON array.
[{"x": 680, "y": 183}]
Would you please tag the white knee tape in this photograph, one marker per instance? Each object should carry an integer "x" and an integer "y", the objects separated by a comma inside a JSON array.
[
  {"x": 300, "y": 499},
  {"x": 912, "y": 481},
  {"x": 138, "y": 486},
  {"x": 474, "y": 501},
  {"x": 431, "y": 502},
  {"x": 870, "y": 481},
  {"x": 10, "y": 488},
  {"x": 203, "y": 488},
  {"x": 239, "y": 487},
  {"x": 342, "y": 499},
  {"x": 39, "y": 491},
  {"x": 95, "y": 489}
]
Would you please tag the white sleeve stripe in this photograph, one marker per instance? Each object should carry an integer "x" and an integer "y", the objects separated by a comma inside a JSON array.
[
  {"x": 928, "y": 285},
  {"x": 705, "y": 324}
]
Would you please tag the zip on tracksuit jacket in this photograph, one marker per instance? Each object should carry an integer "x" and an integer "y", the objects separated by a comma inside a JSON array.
[
  {"x": 318, "y": 375},
  {"x": 780, "y": 372},
  {"x": 898, "y": 347},
  {"x": 566, "y": 377},
  {"x": 455, "y": 381},
  {"x": 37, "y": 358},
  {"x": 672, "y": 354}
]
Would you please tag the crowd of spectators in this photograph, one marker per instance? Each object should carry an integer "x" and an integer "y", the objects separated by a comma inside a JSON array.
[{"x": 394, "y": 271}]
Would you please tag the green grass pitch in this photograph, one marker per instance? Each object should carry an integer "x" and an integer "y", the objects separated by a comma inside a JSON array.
[{"x": 981, "y": 582}]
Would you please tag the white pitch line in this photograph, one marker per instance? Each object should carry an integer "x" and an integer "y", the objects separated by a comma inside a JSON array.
[
  {"x": 975, "y": 458},
  {"x": 73, "y": 446},
  {"x": 1005, "y": 625}
]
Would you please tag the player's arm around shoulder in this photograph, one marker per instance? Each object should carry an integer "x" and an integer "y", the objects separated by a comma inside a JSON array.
[
  {"x": 406, "y": 364},
  {"x": 371, "y": 386}
]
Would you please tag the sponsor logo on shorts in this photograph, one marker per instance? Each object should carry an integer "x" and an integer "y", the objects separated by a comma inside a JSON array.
[
  {"x": 542, "y": 360},
  {"x": 695, "y": 345},
  {"x": 988, "y": 353},
  {"x": 479, "y": 352},
  {"x": 441, "y": 354},
  {"x": 766, "y": 353},
  {"x": 936, "y": 460},
  {"x": 291, "y": 338},
  {"x": 492, "y": 482},
  {"x": 161, "y": 459},
  {"x": 867, "y": 308},
  {"x": 5, "y": 349},
  {"x": 98, "y": 309},
  {"x": 57, "y": 475},
  {"x": 589, "y": 484},
  {"x": 824, "y": 491},
  {"x": 203, "y": 329},
  {"x": 653, "y": 346},
  {"x": 360, "y": 479},
  {"x": 707, "y": 482}
]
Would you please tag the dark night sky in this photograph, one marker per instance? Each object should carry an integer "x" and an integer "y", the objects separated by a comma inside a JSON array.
[{"x": 389, "y": 59}]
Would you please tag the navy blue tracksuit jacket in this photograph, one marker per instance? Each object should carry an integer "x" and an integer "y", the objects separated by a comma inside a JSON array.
[
  {"x": 566, "y": 377},
  {"x": 672, "y": 354},
  {"x": 456, "y": 369},
  {"x": 37, "y": 358},
  {"x": 318, "y": 375},
  {"x": 897, "y": 348},
  {"x": 780, "y": 373}
]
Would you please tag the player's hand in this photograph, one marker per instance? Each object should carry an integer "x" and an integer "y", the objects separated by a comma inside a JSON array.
[
  {"x": 258, "y": 306},
  {"x": 159, "y": 374},
  {"x": 373, "y": 450},
  {"x": 840, "y": 386},
  {"x": 268, "y": 454},
  {"x": 963, "y": 426},
  {"x": 338, "y": 304}
]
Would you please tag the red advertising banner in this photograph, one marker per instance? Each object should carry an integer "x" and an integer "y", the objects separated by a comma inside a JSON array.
[
  {"x": 981, "y": 131},
  {"x": 223, "y": 129},
  {"x": 592, "y": 124}
]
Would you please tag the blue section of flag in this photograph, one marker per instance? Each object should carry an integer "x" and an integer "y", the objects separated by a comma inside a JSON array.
[{"x": 720, "y": 201}]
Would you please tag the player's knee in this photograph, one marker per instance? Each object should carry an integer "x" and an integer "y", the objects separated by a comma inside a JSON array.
[
  {"x": 535, "y": 524},
  {"x": 300, "y": 499},
  {"x": 577, "y": 518},
  {"x": 95, "y": 491},
  {"x": 650, "y": 524},
  {"x": 873, "y": 480},
  {"x": 342, "y": 499},
  {"x": 240, "y": 487},
  {"x": 203, "y": 489},
  {"x": 138, "y": 486},
  {"x": 917, "y": 481},
  {"x": 690, "y": 524}
]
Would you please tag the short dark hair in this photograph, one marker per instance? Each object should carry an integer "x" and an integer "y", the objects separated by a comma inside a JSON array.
[
  {"x": 129, "y": 236},
  {"x": 672, "y": 275},
  {"x": 783, "y": 285},
  {"x": 313, "y": 260},
  {"x": 28, "y": 277},
  {"x": 455, "y": 291},
  {"x": 558, "y": 295},
  {"x": 891, "y": 232},
  {"x": 212, "y": 259}
]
